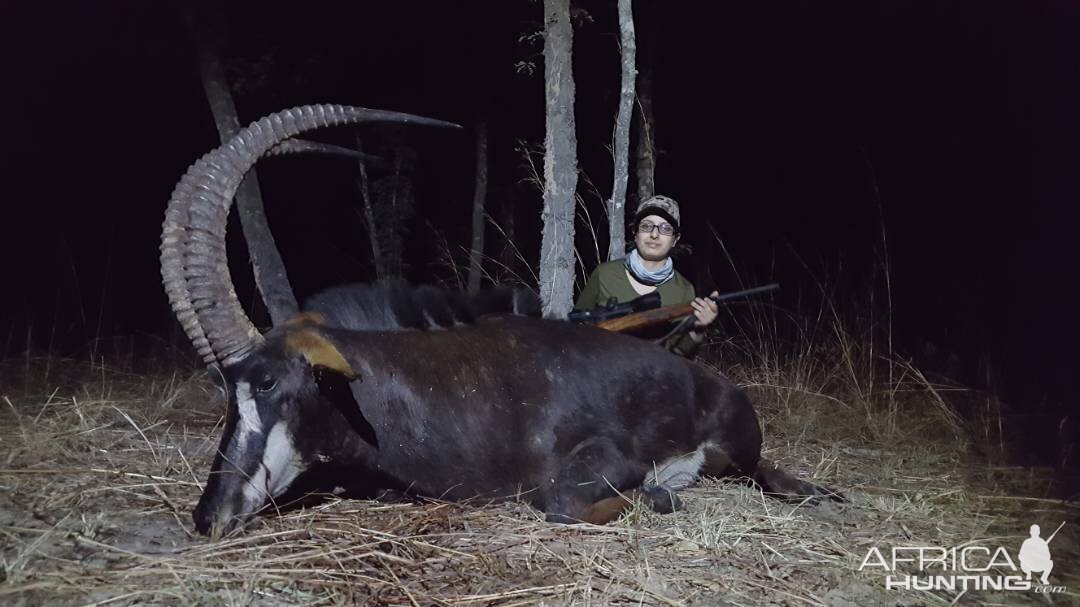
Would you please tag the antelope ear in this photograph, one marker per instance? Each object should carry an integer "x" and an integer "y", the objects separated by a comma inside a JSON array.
[{"x": 319, "y": 351}]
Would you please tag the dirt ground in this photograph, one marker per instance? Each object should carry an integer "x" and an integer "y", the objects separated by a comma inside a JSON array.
[{"x": 99, "y": 475}]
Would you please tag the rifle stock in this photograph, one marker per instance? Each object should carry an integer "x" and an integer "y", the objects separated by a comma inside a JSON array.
[{"x": 648, "y": 318}]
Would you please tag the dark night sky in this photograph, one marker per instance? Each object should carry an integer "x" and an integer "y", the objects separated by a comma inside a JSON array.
[{"x": 773, "y": 119}]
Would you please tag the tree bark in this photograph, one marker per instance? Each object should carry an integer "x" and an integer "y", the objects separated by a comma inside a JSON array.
[
  {"x": 560, "y": 163},
  {"x": 270, "y": 276},
  {"x": 476, "y": 252},
  {"x": 644, "y": 123},
  {"x": 617, "y": 204}
]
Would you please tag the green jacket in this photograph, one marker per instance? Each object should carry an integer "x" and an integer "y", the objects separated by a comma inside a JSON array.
[{"x": 609, "y": 281}]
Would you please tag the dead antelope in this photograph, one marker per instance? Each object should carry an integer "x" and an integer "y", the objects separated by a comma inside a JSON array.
[{"x": 573, "y": 419}]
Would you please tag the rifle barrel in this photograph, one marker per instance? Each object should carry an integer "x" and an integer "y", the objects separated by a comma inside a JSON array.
[
  {"x": 746, "y": 293},
  {"x": 1055, "y": 532}
]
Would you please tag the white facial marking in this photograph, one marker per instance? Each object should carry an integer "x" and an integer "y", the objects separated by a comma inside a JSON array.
[
  {"x": 281, "y": 460},
  {"x": 281, "y": 464},
  {"x": 680, "y": 471},
  {"x": 255, "y": 491},
  {"x": 249, "y": 414}
]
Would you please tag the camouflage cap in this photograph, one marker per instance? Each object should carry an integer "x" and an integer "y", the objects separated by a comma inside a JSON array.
[{"x": 664, "y": 203}]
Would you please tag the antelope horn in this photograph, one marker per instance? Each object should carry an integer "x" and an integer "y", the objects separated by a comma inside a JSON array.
[{"x": 194, "y": 268}]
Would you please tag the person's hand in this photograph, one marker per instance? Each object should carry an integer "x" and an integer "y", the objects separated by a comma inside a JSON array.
[{"x": 705, "y": 310}]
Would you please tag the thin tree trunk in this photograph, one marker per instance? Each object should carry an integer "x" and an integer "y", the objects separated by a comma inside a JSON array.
[
  {"x": 617, "y": 204},
  {"x": 369, "y": 213},
  {"x": 508, "y": 257},
  {"x": 644, "y": 123},
  {"x": 560, "y": 163},
  {"x": 645, "y": 149},
  {"x": 270, "y": 276},
  {"x": 476, "y": 253},
  {"x": 393, "y": 248}
]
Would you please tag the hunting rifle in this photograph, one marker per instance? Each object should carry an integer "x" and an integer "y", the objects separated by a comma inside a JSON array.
[{"x": 632, "y": 321}]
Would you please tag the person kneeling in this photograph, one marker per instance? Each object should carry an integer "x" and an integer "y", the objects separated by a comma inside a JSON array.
[{"x": 649, "y": 268}]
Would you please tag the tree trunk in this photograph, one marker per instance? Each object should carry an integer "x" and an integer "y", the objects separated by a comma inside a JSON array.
[
  {"x": 476, "y": 253},
  {"x": 393, "y": 201},
  {"x": 508, "y": 255},
  {"x": 393, "y": 197},
  {"x": 560, "y": 163},
  {"x": 644, "y": 124},
  {"x": 270, "y": 276},
  {"x": 617, "y": 204},
  {"x": 362, "y": 184}
]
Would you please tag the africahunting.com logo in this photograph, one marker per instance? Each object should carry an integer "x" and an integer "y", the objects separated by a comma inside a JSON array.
[{"x": 967, "y": 567}]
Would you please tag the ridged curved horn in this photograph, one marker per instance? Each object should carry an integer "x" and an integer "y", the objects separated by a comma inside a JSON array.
[
  {"x": 303, "y": 146},
  {"x": 194, "y": 268}
]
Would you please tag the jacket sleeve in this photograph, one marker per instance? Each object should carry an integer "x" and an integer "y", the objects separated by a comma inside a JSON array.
[{"x": 589, "y": 297}]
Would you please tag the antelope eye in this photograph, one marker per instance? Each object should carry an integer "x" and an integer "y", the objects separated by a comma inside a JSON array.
[{"x": 266, "y": 384}]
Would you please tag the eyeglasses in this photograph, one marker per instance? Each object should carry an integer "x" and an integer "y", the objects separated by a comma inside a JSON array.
[{"x": 647, "y": 227}]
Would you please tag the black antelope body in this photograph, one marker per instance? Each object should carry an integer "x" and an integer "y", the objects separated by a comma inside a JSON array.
[{"x": 416, "y": 390}]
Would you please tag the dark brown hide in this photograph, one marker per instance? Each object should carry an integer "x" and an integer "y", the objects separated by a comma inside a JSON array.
[{"x": 562, "y": 415}]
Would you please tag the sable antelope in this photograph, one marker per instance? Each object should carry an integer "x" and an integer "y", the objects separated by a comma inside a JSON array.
[{"x": 571, "y": 418}]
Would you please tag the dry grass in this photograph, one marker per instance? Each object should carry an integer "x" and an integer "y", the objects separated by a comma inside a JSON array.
[{"x": 100, "y": 469}]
